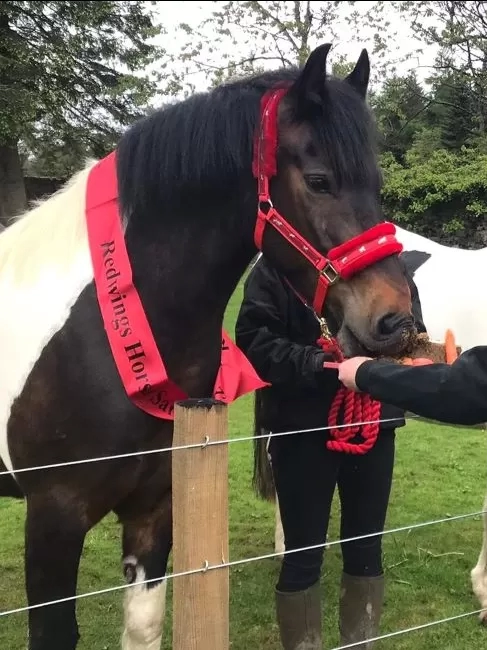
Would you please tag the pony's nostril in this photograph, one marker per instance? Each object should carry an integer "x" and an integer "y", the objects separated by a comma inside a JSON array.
[{"x": 393, "y": 323}]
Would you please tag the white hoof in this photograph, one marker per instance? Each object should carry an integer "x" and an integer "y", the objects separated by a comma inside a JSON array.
[{"x": 479, "y": 586}]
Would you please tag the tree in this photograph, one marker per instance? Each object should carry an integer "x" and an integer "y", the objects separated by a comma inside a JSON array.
[
  {"x": 69, "y": 81},
  {"x": 453, "y": 109},
  {"x": 401, "y": 109},
  {"x": 459, "y": 29},
  {"x": 244, "y": 37}
]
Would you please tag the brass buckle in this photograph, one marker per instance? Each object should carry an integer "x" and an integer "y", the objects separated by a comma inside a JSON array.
[
  {"x": 325, "y": 330},
  {"x": 330, "y": 273}
]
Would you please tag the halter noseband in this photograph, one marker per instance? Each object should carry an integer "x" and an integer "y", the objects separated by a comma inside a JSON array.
[{"x": 344, "y": 260}]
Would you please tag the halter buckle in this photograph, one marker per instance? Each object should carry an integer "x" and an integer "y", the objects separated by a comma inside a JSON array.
[{"x": 330, "y": 273}]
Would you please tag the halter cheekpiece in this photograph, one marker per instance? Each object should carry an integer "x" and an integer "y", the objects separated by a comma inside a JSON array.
[{"x": 343, "y": 261}]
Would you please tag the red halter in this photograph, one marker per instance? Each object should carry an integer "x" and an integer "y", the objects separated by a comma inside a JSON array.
[{"x": 342, "y": 261}]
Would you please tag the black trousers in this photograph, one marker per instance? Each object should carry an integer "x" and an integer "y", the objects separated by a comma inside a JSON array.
[{"x": 305, "y": 475}]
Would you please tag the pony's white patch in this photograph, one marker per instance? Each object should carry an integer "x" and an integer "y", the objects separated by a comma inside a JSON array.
[
  {"x": 45, "y": 263},
  {"x": 450, "y": 289},
  {"x": 144, "y": 610}
]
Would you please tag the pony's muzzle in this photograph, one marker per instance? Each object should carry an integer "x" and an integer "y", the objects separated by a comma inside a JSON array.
[
  {"x": 393, "y": 323},
  {"x": 393, "y": 333}
]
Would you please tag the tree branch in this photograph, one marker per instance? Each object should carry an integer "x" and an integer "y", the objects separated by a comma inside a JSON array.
[{"x": 265, "y": 12}]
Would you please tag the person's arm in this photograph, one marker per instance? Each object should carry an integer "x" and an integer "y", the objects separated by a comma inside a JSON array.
[
  {"x": 456, "y": 394},
  {"x": 261, "y": 333}
]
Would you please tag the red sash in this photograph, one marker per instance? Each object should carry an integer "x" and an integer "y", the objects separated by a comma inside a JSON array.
[{"x": 134, "y": 349}]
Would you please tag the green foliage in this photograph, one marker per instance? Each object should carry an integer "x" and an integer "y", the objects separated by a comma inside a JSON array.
[
  {"x": 453, "y": 109},
  {"x": 70, "y": 73},
  {"x": 443, "y": 195},
  {"x": 400, "y": 108},
  {"x": 435, "y": 161},
  {"x": 459, "y": 30}
]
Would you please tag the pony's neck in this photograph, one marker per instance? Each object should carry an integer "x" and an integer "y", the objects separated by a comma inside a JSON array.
[{"x": 185, "y": 278}]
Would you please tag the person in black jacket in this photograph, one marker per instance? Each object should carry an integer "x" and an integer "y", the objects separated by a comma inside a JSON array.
[
  {"x": 455, "y": 394},
  {"x": 279, "y": 334}
]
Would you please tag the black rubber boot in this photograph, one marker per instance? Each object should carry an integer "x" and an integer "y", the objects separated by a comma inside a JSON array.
[
  {"x": 361, "y": 601},
  {"x": 299, "y": 618}
]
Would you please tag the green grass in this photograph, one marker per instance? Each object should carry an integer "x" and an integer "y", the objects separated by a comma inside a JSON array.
[{"x": 440, "y": 471}]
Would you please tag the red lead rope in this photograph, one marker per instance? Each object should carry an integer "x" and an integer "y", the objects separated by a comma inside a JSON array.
[{"x": 356, "y": 407}]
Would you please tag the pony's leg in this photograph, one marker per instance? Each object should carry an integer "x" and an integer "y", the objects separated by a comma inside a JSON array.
[
  {"x": 54, "y": 536},
  {"x": 279, "y": 532},
  {"x": 9, "y": 486},
  {"x": 479, "y": 572},
  {"x": 146, "y": 547}
]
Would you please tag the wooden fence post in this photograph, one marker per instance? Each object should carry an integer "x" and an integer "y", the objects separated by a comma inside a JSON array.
[{"x": 200, "y": 526}]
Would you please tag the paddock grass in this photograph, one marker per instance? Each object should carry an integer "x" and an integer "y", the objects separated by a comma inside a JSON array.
[{"x": 440, "y": 472}]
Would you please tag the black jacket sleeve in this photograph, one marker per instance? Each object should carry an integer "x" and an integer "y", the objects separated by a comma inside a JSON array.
[
  {"x": 456, "y": 394},
  {"x": 261, "y": 332}
]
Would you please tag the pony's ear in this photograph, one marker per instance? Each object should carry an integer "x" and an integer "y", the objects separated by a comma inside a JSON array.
[
  {"x": 309, "y": 87},
  {"x": 359, "y": 77}
]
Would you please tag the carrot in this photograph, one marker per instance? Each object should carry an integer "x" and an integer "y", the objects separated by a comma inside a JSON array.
[
  {"x": 450, "y": 347},
  {"x": 422, "y": 361}
]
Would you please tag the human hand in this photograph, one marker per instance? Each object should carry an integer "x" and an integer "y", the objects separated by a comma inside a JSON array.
[
  {"x": 348, "y": 369},
  {"x": 419, "y": 361}
]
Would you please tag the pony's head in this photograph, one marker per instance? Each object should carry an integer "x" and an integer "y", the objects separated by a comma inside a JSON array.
[{"x": 324, "y": 180}]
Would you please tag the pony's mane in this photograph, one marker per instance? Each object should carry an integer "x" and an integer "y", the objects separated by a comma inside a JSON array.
[
  {"x": 195, "y": 149},
  {"x": 203, "y": 145}
]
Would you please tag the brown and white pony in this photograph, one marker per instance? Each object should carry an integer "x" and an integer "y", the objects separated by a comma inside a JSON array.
[{"x": 284, "y": 161}]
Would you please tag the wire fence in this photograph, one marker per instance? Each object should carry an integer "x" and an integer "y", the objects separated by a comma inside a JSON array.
[
  {"x": 233, "y": 563},
  {"x": 206, "y": 442}
]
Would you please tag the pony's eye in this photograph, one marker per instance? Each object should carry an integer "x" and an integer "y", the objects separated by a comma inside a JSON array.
[{"x": 317, "y": 183}]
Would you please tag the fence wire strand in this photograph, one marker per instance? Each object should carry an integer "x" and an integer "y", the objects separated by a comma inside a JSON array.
[
  {"x": 206, "y": 442},
  {"x": 212, "y": 567},
  {"x": 415, "y": 628}
]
